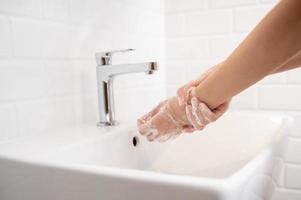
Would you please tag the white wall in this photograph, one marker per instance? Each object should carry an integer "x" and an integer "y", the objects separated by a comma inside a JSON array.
[
  {"x": 201, "y": 33},
  {"x": 47, "y": 67},
  {"x": 47, "y": 64}
]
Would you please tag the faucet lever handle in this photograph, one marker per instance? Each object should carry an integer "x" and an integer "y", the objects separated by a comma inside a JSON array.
[
  {"x": 105, "y": 58},
  {"x": 110, "y": 53}
]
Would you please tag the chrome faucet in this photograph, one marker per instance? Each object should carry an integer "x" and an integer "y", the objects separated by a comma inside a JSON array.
[{"x": 106, "y": 71}]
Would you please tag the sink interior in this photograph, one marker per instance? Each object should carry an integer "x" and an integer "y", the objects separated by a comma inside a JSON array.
[{"x": 219, "y": 151}]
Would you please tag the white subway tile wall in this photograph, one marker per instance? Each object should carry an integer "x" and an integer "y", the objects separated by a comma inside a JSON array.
[
  {"x": 5, "y": 37},
  {"x": 8, "y": 118},
  {"x": 202, "y": 33},
  {"x": 47, "y": 64}
]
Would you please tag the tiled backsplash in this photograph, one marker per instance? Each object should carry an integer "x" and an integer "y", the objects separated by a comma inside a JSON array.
[
  {"x": 47, "y": 64},
  {"x": 201, "y": 33}
]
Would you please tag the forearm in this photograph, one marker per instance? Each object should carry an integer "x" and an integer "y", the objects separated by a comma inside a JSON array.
[
  {"x": 273, "y": 41},
  {"x": 291, "y": 63}
]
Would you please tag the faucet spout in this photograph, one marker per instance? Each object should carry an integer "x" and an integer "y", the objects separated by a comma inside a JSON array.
[
  {"x": 106, "y": 72},
  {"x": 105, "y": 78}
]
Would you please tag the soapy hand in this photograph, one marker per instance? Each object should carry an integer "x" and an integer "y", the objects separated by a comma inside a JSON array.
[
  {"x": 176, "y": 115},
  {"x": 169, "y": 119},
  {"x": 165, "y": 121},
  {"x": 198, "y": 113}
]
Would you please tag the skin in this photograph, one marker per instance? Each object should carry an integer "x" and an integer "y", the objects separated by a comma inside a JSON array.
[
  {"x": 273, "y": 41},
  {"x": 198, "y": 113},
  {"x": 202, "y": 116},
  {"x": 291, "y": 63},
  {"x": 272, "y": 47}
]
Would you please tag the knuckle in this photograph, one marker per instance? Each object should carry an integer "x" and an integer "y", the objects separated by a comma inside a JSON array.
[
  {"x": 211, "y": 118},
  {"x": 142, "y": 133},
  {"x": 197, "y": 126},
  {"x": 201, "y": 128},
  {"x": 214, "y": 117}
]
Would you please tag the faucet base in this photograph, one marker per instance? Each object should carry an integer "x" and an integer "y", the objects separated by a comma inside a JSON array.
[{"x": 104, "y": 124}]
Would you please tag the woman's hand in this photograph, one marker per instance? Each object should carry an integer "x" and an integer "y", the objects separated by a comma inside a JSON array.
[
  {"x": 183, "y": 92},
  {"x": 198, "y": 113},
  {"x": 179, "y": 114},
  {"x": 166, "y": 120}
]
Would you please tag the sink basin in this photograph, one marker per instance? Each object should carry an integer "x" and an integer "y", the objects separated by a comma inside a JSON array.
[{"x": 238, "y": 157}]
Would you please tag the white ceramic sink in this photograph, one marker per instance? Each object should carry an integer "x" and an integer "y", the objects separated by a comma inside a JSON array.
[{"x": 237, "y": 157}]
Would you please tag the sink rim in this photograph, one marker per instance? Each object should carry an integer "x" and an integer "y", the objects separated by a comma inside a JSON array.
[
  {"x": 222, "y": 186},
  {"x": 152, "y": 176}
]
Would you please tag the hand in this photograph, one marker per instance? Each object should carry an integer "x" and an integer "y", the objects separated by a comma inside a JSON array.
[
  {"x": 170, "y": 117},
  {"x": 183, "y": 92},
  {"x": 165, "y": 121},
  {"x": 198, "y": 113}
]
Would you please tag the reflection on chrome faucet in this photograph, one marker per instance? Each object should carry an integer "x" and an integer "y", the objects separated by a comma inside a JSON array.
[{"x": 106, "y": 71}]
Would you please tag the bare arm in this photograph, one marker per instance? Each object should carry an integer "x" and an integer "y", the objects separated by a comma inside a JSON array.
[
  {"x": 291, "y": 63},
  {"x": 273, "y": 41},
  {"x": 268, "y": 49}
]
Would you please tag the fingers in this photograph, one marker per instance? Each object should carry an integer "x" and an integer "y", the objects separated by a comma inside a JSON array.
[
  {"x": 148, "y": 131},
  {"x": 182, "y": 91},
  {"x": 197, "y": 112},
  {"x": 150, "y": 114},
  {"x": 220, "y": 110},
  {"x": 200, "y": 115},
  {"x": 192, "y": 119},
  {"x": 181, "y": 95},
  {"x": 143, "y": 128},
  {"x": 207, "y": 113},
  {"x": 188, "y": 129},
  {"x": 158, "y": 125},
  {"x": 164, "y": 138},
  {"x": 152, "y": 135},
  {"x": 204, "y": 114}
]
